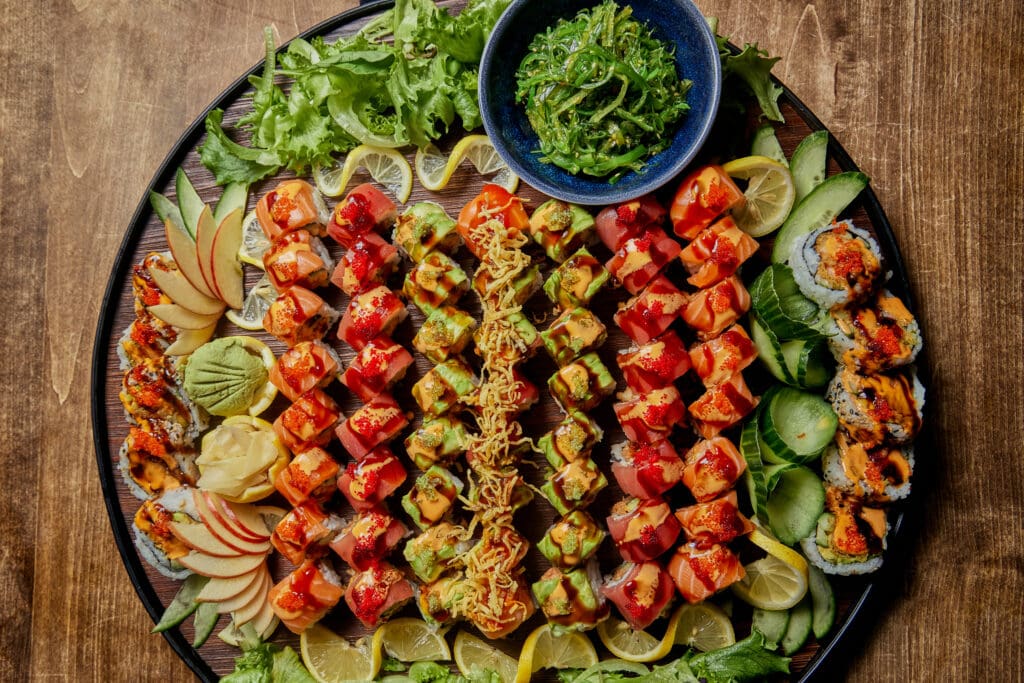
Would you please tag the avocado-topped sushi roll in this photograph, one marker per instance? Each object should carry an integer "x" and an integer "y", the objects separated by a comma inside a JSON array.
[
  {"x": 425, "y": 227},
  {"x": 573, "y": 599},
  {"x": 837, "y": 264},
  {"x": 850, "y": 535},
  {"x": 572, "y": 540},
  {"x": 877, "y": 409},
  {"x": 877, "y": 337},
  {"x": 561, "y": 228}
]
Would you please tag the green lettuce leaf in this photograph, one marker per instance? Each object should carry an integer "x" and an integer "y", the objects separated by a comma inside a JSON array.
[{"x": 745, "y": 660}]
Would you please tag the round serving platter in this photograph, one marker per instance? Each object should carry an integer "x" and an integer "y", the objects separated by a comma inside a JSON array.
[{"x": 145, "y": 233}]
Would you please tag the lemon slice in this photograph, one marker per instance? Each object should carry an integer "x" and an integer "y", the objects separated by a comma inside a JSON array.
[
  {"x": 387, "y": 167},
  {"x": 703, "y": 626},
  {"x": 544, "y": 649},
  {"x": 770, "y": 194},
  {"x": 254, "y": 242},
  {"x": 332, "y": 659},
  {"x": 625, "y": 642},
  {"x": 434, "y": 170},
  {"x": 771, "y": 583},
  {"x": 268, "y": 392},
  {"x": 775, "y": 547},
  {"x": 413, "y": 640},
  {"x": 255, "y": 306},
  {"x": 474, "y": 655}
]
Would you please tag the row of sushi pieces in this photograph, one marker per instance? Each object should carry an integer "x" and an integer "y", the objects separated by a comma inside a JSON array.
[
  {"x": 647, "y": 465},
  {"x": 875, "y": 392}
]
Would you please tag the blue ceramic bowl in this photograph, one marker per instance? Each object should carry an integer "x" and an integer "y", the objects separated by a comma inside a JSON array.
[{"x": 675, "y": 21}]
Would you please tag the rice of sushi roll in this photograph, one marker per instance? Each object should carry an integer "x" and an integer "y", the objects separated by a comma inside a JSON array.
[
  {"x": 836, "y": 265},
  {"x": 850, "y": 535},
  {"x": 877, "y": 409},
  {"x": 880, "y": 474},
  {"x": 153, "y": 538},
  {"x": 877, "y": 337}
]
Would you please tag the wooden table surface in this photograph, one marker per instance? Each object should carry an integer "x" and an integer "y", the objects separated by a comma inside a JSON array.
[{"x": 924, "y": 94}]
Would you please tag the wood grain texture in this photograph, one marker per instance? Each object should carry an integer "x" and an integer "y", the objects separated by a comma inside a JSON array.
[{"x": 925, "y": 96}]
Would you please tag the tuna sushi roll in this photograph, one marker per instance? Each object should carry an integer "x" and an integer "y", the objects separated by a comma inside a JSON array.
[
  {"x": 642, "y": 592},
  {"x": 880, "y": 336},
  {"x": 368, "y": 538},
  {"x": 880, "y": 473},
  {"x": 646, "y": 470},
  {"x": 850, "y": 535},
  {"x": 836, "y": 264},
  {"x": 367, "y": 482},
  {"x": 877, "y": 409}
]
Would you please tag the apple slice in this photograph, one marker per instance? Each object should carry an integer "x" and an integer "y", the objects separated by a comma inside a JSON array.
[
  {"x": 183, "y": 247},
  {"x": 227, "y": 516},
  {"x": 243, "y": 613},
  {"x": 206, "y": 232},
  {"x": 247, "y": 517},
  {"x": 198, "y": 537},
  {"x": 265, "y": 622},
  {"x": 176, "y": 315},
  {"x": 227, "y": 269},
  {"x": 190, "y": 340},
  {"x": 219, "y": 590},
  {"x": 169, "y": 278},
  {"x": 221, "y": 567},
  {"x": 255, "y": 592},
  {"x": 223, "y": 529}
]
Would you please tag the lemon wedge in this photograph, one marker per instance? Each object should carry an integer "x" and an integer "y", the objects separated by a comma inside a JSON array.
[
  {"x": 473, "y": 655},
  {"x": 254, "y": 242},
  {"x": 626, "y": 643},
  {"x": 544, "y": 649},
  {"x": 773, "y": 546},
  {"x": 434, "y": 170},
  {"x": 703, "y": 626},
  {"x": 770, "y": 194},
  {"x": 414, "y": 640},
  {"x": 331, "y": 658},
  {"x": 387, "y": 167},
  {"x": 255, "y": 306}
]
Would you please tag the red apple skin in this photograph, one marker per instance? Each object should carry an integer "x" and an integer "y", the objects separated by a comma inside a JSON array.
[
  {"x": 216, "y": 518},
  {"x": 183, "y": 248},
  {"x": 172, "y": 282},
  {"x": 206, "y": 233},
  {"x": 200, "y": 538},
  {"x": 225, "y": 268}
]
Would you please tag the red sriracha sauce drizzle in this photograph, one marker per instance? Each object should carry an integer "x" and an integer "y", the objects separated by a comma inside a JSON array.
[{"x": 356, "y": 212}]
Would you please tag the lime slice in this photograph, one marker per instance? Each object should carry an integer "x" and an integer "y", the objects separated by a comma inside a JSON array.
[
  {"x": 634, "y": 646},
  {"x": 255, "y": 306},
  {"x": 770, "y": 194},
  {"x": 773, "y": 546},
  {"x": 413, "y": 640},
  {"x": 332, "y": 659},
  {"x": 771, "y": 583},
  {"x": 474, "y": 655},
  {"x": 434, "y": 170},
  {"x": 544, "y": 649},
  {"x": 254, "y": 242},
  {"x": 387, "y": 167},
  {"x": 703, "y": 626}
]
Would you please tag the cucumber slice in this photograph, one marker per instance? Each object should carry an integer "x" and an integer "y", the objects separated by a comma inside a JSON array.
[
  {"x": 165, "y": 209},
  {"x": 799, "y": 627},
  {"x": 772, "y": 624},
  {"x": 797, "y": 425},
  {"x": 769, "y": 351},
  {"x": 818, "y": 208},
  {"x": 750, "y": 449},
  {"x": 235, "y": 196},
  {"x": 777, "y": 301},
  {"x": 774, "y": 472},
  {"x": 204, "y": 622},
  {"x": 823, "y": 601},
  {"x": 183, "y": 604},
  {"x": 795, "y": 504},
  {"x": 766, "y": 144},
  {"x": 189, "y": 202},
  {"x": 809, "y": 163},
  {"x": 809, "y": 362}
]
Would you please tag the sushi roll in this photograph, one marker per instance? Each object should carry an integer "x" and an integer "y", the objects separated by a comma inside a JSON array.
[
  {"x": 368, "y": 481},
  {"x": 877, "y": 409},
  {"x": 437, "y": 550},
  {"x": 880, "y": 473},
  {"x": 572, "y": 599},
  {"x": 642, "y": 529},
  {"x": 715, "y": 521},
  {"x": 571, "y": 540},
  {"x": 366, "y": 264},
  {"x": 297, "y": 258},
  {"x": 151, "y": 527},
  {"x": 290, "y": 206},
  {"x": 305, "y": 366},
  {"x": 699, "y": 573},
  {"x": 298, "y": 315},
  {"x": 850, "y": 535},
  {"x": 837, "y": 264},
  {"x": 364, "y": 209},
  {"x": 305, "y": 532},
  {"x": 311, "y": 475},
  {"x": 303, "y": 597},
  {"x": 368, "y": 538},
  {"x": 642, "y": 592},
  {"x": 878, "y": 337}
]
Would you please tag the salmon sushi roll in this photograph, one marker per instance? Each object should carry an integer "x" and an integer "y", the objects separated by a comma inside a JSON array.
[
  {"x": 305, "y": 531},
  {"x": 378, "y": 592},
  {"x": 311, "y": 475},
  {"x": 303, "y": 597},
  {"x": 308, "y": 421},
  {"x": 722, "y": 406},
  {"x": 305, "y": 366},
  {"x": 718, "y": 359},
  {"x": 717, "y": 252},
  {"x": 297, "y": 258},
  {"x": 715, "y": 308},
  {"x": 837, "y": 265},
  {"x": 699, "y": 573},
  {"x": 714, "y": 521},
  {"x": 712, "y": 468},
  {"x": 292, "y": 205},
  {"x": 298, "y": 315}
]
